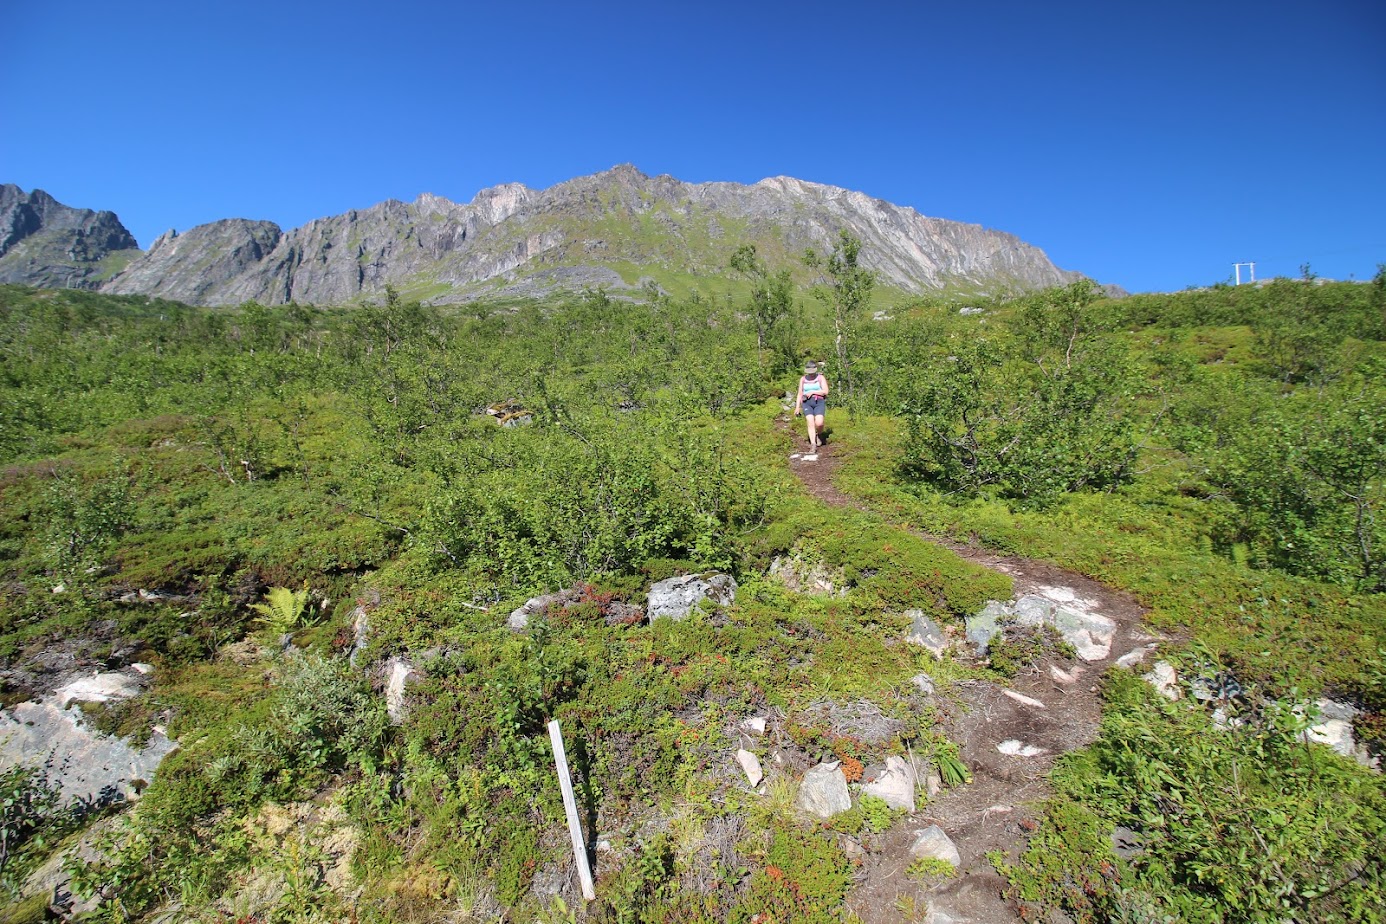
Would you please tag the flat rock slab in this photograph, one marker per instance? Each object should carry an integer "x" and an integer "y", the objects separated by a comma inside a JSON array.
[{"x": 84, "y": 764}]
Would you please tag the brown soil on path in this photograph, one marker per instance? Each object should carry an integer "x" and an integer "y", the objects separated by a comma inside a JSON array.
[{"x": 1000, "y": 806}]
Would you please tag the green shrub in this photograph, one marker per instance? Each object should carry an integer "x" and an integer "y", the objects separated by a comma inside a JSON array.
[{"x": 1249, "y": 824}]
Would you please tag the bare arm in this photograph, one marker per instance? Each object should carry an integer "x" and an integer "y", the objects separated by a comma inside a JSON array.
[{"x": 799, "y": 398}]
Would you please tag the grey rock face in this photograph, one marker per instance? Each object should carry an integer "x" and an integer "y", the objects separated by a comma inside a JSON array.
[
  {"x": 513, "y": 240},
  {"x": 82, "y": 762},
  {"x": 676, "y": 597},
  {"x": 45, "y": 243},
  {"x": 208, "y": 265},
  {"x": 823, "y": 792}
]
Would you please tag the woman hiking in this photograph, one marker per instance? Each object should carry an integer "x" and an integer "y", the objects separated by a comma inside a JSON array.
[{"x": 813, "y": 394}]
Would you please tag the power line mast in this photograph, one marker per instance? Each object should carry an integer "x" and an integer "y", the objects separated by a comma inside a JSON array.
[{"x": 1237, "y": 269}]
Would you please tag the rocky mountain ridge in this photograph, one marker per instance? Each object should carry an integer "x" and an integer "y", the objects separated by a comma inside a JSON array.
[
  {"x": 45, "y": 243},
  {"x": 617, "y": 229}
]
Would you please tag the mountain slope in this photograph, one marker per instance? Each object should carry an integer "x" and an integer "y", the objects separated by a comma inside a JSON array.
[
  {"x": 611, "y": 228},
  {"x": 45, "y": 243}
]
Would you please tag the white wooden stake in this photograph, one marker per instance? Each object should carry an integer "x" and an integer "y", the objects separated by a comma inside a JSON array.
[{"x": 560, "y": 760}]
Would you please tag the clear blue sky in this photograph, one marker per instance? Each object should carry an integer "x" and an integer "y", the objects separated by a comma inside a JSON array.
[{"x": 1147, "y": 145}]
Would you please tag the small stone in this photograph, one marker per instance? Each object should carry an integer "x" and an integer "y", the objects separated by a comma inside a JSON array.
[
  {"x": 851, "y": 847},
  {"x": 750, "y": 765},
  {"x": 924, "y": 682},
  {"x": 1163, "y": 678},
  {"x": 1022, "y": 698},
  {"x": 143, "y": 668},
  {"x": 360, "y": 633},
  {"x": 1014, "y": 748},
  {"x": 1135, "y": 656},
  {"x": 933, "y": 842},
  {"x": 1063, "y": 676},
  {"x": 755, "y": 725},
  {"x": 1335, "y": 734},
  {"x": 1225, "y": 721},
  {"x": 399, "y": 672},
  {"x": 519, "y": 618}
]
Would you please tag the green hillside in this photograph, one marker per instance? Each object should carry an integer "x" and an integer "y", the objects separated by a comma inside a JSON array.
[{"x": 1218, "y": 455}]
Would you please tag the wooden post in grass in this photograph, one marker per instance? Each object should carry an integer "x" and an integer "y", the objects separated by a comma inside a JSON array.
[{"x": 560, "y": 760}]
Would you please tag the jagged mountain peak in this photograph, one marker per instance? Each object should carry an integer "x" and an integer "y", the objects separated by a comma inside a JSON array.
[{"x": 46, "y": 243}]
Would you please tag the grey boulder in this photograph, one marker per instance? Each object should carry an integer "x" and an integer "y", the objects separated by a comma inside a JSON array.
[
  {"x": 676, "y": 597},
  {"x": 823, "y": 791}
]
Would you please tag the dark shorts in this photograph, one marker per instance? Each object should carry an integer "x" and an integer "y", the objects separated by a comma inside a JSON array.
[{"x": 814, "y": 406}]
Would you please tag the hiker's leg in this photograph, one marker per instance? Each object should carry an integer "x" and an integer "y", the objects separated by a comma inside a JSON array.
[
  {"x": 817, "y": 430},
  {"x": 812, "y": 422}
]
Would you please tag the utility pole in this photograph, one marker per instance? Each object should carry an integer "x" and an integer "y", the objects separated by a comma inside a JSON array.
[{"x": 1237, "y": 269}]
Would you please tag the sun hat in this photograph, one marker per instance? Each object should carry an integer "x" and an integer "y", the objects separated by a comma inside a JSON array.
[{"x": 811, "y": 366}]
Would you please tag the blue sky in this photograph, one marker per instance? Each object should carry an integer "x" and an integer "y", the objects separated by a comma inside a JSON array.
[{"x": 1147, "y": 145}]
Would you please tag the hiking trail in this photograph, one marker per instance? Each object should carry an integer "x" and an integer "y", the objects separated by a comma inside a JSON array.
[{"x": 996, "y": 811}]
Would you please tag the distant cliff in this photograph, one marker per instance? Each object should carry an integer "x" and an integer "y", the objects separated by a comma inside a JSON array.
[
  {"x": 45, "y": 243},
  {"x": 608, "y": 229}
]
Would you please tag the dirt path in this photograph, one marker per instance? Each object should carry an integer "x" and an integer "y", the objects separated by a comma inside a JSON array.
[{"x": 995, "y": 811}]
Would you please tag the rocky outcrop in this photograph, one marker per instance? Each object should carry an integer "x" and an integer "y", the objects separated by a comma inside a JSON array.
[
  {"x": 80, "y": 761},
  {"x": 676, "y": 597},
  {"x": 48, "y": 244},
  {"x": 1076, "y": 619},
  {"x": 514, "y": 240}
]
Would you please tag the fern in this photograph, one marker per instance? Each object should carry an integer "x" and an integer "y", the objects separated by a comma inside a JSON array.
[{"x": 284, "y": 610}]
